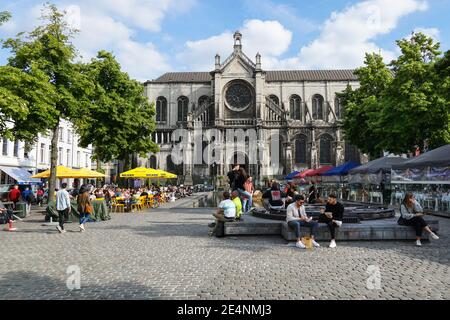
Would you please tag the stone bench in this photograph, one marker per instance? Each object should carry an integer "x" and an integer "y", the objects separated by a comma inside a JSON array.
[
  {"x": 249, "y": 228},
  {"x": 380, "y": 230}
]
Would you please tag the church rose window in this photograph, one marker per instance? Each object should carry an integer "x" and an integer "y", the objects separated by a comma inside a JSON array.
[{"x": 238, "y": 96}]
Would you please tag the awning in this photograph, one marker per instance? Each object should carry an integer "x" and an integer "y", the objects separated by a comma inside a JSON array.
[{"x": 21, "y": 176}]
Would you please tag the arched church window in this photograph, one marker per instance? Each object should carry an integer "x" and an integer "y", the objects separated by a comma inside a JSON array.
[
  {"x": 183, "y": 103},
  {"x": 161, "y": 109},
  {"x": 325, "y": 149},
  {"x": 202, "y": 101},
  {"x": 275, "y": 99},
  {"x": 317, "y": 107},
  {"x": 295, "y": 104},
  {"x": 300, "y": 149}
]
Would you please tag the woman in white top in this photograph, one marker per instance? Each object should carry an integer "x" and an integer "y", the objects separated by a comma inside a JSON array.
[{"x": 411, "y": 214}]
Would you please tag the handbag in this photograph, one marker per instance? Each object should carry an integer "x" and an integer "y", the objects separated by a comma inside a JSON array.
[{"x": 89, "y": 209}]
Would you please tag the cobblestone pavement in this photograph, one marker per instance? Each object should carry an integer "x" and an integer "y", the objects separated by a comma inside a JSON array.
[{"x": 166, "y": 254}]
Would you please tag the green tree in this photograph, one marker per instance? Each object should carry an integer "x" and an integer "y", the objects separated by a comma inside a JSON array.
[
  {"x": 396, "y": 109},
  {"x": 121, "y": 120},
  {"x": 414, "y": 111},
  {"x": 49, "y": 50},
  {"x": 362, "y": 105},
  {"x": 4, "y": 17}
]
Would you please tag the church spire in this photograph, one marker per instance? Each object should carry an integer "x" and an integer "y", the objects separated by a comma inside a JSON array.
[{"x": 237, "y": 41}]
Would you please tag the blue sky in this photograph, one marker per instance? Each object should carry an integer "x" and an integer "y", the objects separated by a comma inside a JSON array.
[{"x": 150, "y": 37}]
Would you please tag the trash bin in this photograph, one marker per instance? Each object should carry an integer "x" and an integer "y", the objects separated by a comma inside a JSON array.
[{"x": 21, "y": 209}]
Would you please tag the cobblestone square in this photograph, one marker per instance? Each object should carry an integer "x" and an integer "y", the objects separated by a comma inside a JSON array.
[{"x": 166, "y": 253}]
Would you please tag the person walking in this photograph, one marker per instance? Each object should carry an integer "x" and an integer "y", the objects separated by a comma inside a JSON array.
[
  {"x": 411, "y": 214},
  {"x": 296, "y": 217},
  {"x": 332, "y": 216},
  {"x": 84, "y": 208},
  {"x": 40, "y": 196},
  {"x": 63, "y": 207}
]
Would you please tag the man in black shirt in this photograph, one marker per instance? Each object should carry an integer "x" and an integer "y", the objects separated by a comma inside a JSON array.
[
  {"x": 332, "y": 216},
  {"x": 275, "y": 196},
  {"x": 233, "y": 176}
]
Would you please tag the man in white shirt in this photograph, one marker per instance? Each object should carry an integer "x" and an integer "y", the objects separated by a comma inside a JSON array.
[
  {"x": 296, "y": 217},
  {"x": 63, "y": 207},
  {"x": 226, "y": 211}
]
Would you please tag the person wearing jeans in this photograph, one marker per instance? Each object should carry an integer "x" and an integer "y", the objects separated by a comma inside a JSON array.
[
  {"x": 296, "y": 217},
  {"x": 332, "y": 216},
  {"x": 63, "y": 207},
  {"x": 84, "y": 208}
]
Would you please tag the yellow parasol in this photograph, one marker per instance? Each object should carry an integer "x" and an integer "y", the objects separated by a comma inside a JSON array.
[
  {"x": 61, "y": 173},
  {"x": 166, "y": 175},
  {"x": 140, "y": 172},
  {"x": 88, "y": 173}
]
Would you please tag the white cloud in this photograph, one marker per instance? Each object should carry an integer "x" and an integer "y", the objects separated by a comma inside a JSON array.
[
  {"x": 269, "y": 38},
  {"x": 347, "y": 35},
  {"x": 431, "y": 32},
  {"x": 144, "y": 14}
]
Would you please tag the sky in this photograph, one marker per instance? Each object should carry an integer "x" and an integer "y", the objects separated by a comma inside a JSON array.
[{"x": 151, "y": 37}]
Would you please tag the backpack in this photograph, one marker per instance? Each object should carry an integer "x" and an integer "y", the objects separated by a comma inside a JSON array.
[{"x": 219, "y": 231}]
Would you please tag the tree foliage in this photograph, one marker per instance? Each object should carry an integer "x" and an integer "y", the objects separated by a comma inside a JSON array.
[
  {"x": 402, "y": 106},
  {"x": 121, "y": 120}
]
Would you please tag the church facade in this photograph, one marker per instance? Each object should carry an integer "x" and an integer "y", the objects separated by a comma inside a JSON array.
[{"x": 293, "y": 116}]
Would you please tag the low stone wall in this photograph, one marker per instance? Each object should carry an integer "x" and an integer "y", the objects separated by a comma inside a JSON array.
[{"x": 373, "y": 230}]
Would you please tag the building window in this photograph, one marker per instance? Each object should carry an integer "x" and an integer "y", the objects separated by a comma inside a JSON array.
[
  {"x": 69, "y": 136},
  {"x": 78, "y": 159},
  {"x": 86, "y": 161},
  {"x": 161, "y": 109},
  {"x": 16, "y": 148},
  {"x": 274, "y": 99},
  {"x": 325, "y": 149},
  {"x": 153, "y": 162},
  {"x": 50, "y": 154},
  {"x": 69, "y": 163},
  {"x": 5, "y": 147},
  {"x": 300, "y": 149},
  {"x": 203, "y": 101},
  {"x": 60, "y": 156},
  {"x": 338, "y": 107},
  {"x": 42, "y": 153},
  {"x": 61, "y": 137},
  {"x": 27, "y": 149},
  {"x": 295, "y": 105},
  {"x": 317, "y": 107},
  {"x": 183, "y": 103}
]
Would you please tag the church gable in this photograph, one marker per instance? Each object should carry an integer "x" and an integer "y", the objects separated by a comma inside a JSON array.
[{"x": 237, "y": 66}]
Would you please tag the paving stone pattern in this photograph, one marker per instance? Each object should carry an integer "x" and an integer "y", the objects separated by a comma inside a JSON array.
[{"x": 166, "y": 253}]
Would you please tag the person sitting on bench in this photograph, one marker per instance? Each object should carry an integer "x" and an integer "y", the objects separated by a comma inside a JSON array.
[
  {"x": 296, "y": 217},
  {"x": 411, "y": 214},
  {"x": 332, "y": 216},
  {"x": 226, "y": 212},
  {"x": 237, "y": 202},
  {"x": 275, "y": 196}
]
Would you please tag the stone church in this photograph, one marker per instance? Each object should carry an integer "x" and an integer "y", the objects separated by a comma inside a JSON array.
[{"x": 297, "y": 108}]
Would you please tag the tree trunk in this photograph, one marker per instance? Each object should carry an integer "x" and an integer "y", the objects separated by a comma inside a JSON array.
[
  {"x": 53, "y": 163},
  {"x": 98, "y": 180}
]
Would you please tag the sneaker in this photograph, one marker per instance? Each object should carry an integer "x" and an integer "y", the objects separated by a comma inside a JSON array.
[
  {"x": 315, "y": 244},
  {"x": 434, "y": 236},
  {"x": 63, "y": 231},
  {"x": 418, "y": 243},
  {"x": 59, "y": 229},
  {"x": 300, "y": 245},
  {"x": 82, "y": 228},
  {"x": 333, "y": 244},
  {"x": 338, "y": 223}
]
